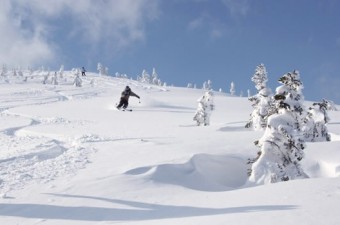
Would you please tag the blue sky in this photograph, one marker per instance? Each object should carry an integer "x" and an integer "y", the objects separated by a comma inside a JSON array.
[{"x": 187, "y": 41}]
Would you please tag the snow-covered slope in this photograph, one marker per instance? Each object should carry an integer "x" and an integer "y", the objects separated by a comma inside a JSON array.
[{"x": 68, "y": 157}]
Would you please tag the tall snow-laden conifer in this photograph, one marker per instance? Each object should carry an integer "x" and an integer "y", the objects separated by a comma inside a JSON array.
[
  {"x": 232, "y": 88},
  {"x": 145, "y": 77},
  {"x": 4, "y": 70},
  {"x": 261, "y": 102},
  {"x": 101, "y": 69},
  {"x": 282, "y": 144},
  {"x": 55, "y": 79},
  {"x": 204, "y": 109},
  {"x": 77, "y": 80},
  {"x": 61, "y": 71},
  {"x": 317, "y": 118},
  {"x": 154, "y": 78},
  {"x": 207, "y": 85}
]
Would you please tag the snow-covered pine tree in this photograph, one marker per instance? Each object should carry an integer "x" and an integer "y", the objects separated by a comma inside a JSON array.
[
  {"x": 61, "y": 71},
  {"x": 282, "y": 144},
  {"x": 232, "y": 88},
  {"x": 4, "y": 70},
  {"x": 207, "y": 85},
  {"x": 154, "y": 78},
  {"x": 315, "y": 129},
  {"x": 20, "y": 73},
  {"x": 261, "y": 102},
  {"x": 77, "y": 81},
  {"x": 46, "y": 76},
  {"x": 101, "y": 69},
  {"x": 55, "y": 79},
  {"x": 204, "y": 109},
  {"x": 145, "y": 77}
]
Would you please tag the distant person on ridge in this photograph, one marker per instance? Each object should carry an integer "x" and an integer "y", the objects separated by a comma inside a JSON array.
[
  {"x": 83, "y": 71},
  {"x": 124, "y": 99}
]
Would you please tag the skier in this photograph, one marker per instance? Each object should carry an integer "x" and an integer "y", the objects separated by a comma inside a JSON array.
[
  {"x": 83, "y": 71},
  {"x": 124, "y": 99}
]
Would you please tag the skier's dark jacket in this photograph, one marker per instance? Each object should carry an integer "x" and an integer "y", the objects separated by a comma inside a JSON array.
[{"x": 127, "y": 93}]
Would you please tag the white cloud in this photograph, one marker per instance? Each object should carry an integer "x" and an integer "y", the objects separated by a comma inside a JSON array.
[
  {"x": 28, "y": 26},
  {"x": 20, "y": 46}
]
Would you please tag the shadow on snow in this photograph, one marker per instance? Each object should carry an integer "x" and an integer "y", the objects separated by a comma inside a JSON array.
[{"x": 140, "y": 210}]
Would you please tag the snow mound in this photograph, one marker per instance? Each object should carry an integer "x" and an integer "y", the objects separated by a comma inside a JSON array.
[
  {"x": 324, "y": 163},
  {"x": 202, "y": 172}
]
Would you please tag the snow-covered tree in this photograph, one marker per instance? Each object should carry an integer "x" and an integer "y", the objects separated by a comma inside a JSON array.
[
  {"x": 282, "y": 145},
  {"x": 77, "y": 81},
  {"x": 145, "y": 77},
  {"x": 154, "y": 78},
  {"x": 207, "y": 85},
  {"x": 61, "y": 71},
  {"x": 261, "y": 102},
  {"x": 204, "y": 109},
  {"x": 20, "y": 73},
  {"x": 317, "y": 119},
  {"x": 46, "y": 76},
  {"x": 55, "y": 79},
  {"x": 232, "y": 89},
  {"x": 4, "y": 70},
  {"x": 101, "y": 69}
]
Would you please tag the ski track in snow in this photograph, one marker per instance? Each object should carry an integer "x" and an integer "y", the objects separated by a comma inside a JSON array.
[
  {"x": 45, "y": 157},
  {"x": 42, "y": 158}
]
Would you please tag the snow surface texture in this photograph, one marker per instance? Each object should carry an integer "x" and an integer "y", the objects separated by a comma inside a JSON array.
[{"x": 67, "y": 157}]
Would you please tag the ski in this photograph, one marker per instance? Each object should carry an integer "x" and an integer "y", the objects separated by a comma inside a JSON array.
[{"x": 129, "y": 110}]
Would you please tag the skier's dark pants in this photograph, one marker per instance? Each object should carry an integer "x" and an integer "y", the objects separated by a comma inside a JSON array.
[{"x": 123, "y": 102}]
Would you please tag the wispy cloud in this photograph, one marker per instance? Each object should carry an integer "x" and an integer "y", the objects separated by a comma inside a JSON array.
[
  {"x": 206, "y": 22},
  {"x": 237, "y": 7},
  {"x": 28, "y": 25}
]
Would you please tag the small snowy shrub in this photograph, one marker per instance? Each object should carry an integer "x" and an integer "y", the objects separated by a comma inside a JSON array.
[
  {"x": 317, "y": 119},
  {"x": 204, "y": 109}
]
